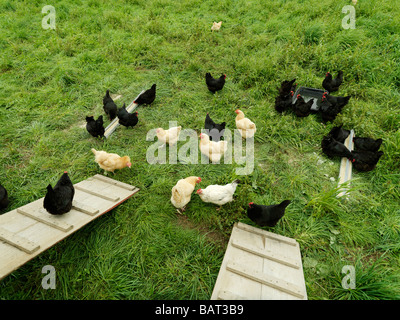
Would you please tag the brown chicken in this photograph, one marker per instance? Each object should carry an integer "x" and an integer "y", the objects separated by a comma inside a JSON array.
[
  {"x": 182, "y": 192},
  {"x": 111, "y": 161}
]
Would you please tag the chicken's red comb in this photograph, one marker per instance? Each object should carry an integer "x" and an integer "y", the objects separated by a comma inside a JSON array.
[
  {"x": 65, "y": 171},
  {"x": 250, "y": 203},
  {"x": 298, "y": 95}
]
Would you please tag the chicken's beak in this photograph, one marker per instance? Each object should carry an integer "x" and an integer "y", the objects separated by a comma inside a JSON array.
[{"x": 198, "y": 191}]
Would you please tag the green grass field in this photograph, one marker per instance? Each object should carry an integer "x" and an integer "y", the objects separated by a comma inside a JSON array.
[{"x": 50, "y": 80}]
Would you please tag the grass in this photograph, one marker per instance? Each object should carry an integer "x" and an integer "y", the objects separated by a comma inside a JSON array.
[{"x": 52, "y": 79}]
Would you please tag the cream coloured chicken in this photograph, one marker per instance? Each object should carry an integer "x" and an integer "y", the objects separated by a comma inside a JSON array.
[
  {"x": 216, "y": 26},
  {"x": 218, "y": 194},
  {"x": 111, "y": 161},
  {"x": 182, "y": 192},
  {"x": 212, "y": 149},
  {"x": 169, "y": 136},
  {"x": 246, "y": 127}
]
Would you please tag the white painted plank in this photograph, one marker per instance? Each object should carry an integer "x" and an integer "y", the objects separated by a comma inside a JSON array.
[{"x": 346, "y": 165}]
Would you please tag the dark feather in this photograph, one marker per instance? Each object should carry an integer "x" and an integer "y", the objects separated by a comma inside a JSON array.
[
  {"x": 58, "y": 200},
  {"x": 109, "y": 106},
  {"x": 215, "y": 84},
  {"x": 148, "y": 96},
  {"x": 264, "y": 215}
]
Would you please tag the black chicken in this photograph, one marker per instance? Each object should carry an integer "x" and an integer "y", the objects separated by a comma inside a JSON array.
[
  {"x": 95, "y": 127},
  {"x": 331, "y": 106},
  {"x": 367, "y": 144},
  {"x": 365, "y": 160},
  {"x": 339, "y": 134},
  {"x": 147, "y": 97},
  {"x": 337, "y": 100},
  {"x": 3, "y": 198},
  {"x": 287, "y": 86},
  {"x": 216, "y": 130},
  {"x": 215, "y": 84},
  {"x": 330, "y": 84},
  {"x": 333, "y": 148},
  {"x": 109, "y": 106},
  {"x": 284, "y": 102},
  {"x": 58, "y": 200},
  {"x": 267, "y": 215},
  {"x": 302, "y": 108},
  {"x": 127, "y": 119}
]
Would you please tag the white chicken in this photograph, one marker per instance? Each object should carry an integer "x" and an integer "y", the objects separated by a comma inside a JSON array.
[
  {"x": 212, "y": 149},
  {"x": 218, "y": 194},
  {"x": 182, "y": 192},
  {"x": 246, "y": 127},
  {"x": 169, "y": 136}
]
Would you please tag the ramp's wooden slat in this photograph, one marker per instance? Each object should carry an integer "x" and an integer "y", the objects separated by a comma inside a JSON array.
[
  {"x": 268, "y": 254},
  {"x": 266, "y": 234},
  {"x": 114, "y": 182},
  {"x": 84, "y": 208},
  {"x": 17, "y": 241},
  {"x": 32, "y": 223},
  {"x": 263, "y": 278},
  {"x": 46, "y": 218},
  {"x": 104, "y": 195}
]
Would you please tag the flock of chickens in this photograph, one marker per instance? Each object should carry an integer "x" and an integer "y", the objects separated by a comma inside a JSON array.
[
  {"x": 366, "y": 154},
  {"x": 58, "y": 199}
]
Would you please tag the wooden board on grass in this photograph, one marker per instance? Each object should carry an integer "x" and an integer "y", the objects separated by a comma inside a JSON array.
[
  {"x": 260, "y": 265},
  {"x": 29, "y": 230},
  {"x": 346, "y": 165}
]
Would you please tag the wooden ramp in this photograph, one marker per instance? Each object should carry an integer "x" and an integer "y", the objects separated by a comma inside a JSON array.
[
  {"x": 260, "y": 265},
  {"x": 29, "y": 230}
]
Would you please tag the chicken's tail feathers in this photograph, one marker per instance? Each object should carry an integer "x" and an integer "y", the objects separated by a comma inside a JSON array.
[
  {"x": 94, "y": 150},
  {"x": 285, "y": 203}
]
